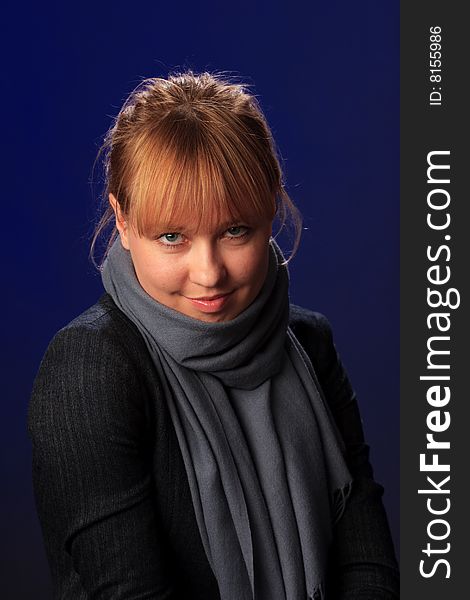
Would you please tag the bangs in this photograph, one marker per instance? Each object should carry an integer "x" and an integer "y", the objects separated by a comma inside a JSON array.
[{"x": 188, "y": 175}]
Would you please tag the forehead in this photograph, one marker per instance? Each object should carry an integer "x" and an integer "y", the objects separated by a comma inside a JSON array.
[
  {"x": 192, "y": 226},
  {"x": 196, "y": 216},
  {"x": 177, "y": 192}
]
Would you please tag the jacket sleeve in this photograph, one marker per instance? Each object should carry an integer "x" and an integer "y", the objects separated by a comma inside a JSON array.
[
  {"x": 364, "y": 566},
  {"x": 91, "y": 475}
]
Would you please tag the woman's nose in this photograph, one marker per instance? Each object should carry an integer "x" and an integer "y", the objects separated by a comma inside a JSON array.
[{"x": 206, "y": 267}]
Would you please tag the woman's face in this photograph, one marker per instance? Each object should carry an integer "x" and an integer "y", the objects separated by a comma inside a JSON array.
[{"x": 209, "y": 274}]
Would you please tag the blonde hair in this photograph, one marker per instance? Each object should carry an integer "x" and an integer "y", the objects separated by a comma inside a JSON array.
[{"x": 192, "y": 146}]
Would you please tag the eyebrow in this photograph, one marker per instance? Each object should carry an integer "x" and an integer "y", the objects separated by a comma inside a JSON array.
[{"x": 223, "y": 225}]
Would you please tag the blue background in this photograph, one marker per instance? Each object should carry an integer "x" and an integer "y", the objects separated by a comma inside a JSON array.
[{"x": 327, "y": 77}]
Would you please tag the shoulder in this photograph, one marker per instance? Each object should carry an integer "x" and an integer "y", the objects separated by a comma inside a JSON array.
[
  {"x": 313, "y": 331},
  {"x": 103, "y": 323},
  {"x": 301, "y": 319},
  {"x": 100, "y": 334},
  {"x": 97, "y": 364}
]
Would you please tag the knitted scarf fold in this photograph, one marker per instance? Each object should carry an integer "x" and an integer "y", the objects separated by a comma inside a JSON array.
[{"x": 264, "y": 462}]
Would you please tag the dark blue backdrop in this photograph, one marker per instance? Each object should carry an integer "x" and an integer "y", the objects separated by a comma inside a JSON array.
[{"x": 327, "y": 77}]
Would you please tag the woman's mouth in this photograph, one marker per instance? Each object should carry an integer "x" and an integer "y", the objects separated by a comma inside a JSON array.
[{"x": 210, "y": 304}]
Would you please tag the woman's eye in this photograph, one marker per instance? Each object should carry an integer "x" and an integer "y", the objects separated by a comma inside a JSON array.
[
  {"x": 237, "y": 231},
  {"x": 170, "y": 239}
]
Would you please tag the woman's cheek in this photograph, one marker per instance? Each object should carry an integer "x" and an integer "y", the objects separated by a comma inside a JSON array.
[{"x": 170, "y": 275}]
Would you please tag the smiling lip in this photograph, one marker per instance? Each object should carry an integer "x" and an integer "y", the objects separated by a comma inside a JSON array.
[{"x": 210, "y": 303}]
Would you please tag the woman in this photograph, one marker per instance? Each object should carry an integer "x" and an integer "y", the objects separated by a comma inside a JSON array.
[{"x": 194, "y": 435}]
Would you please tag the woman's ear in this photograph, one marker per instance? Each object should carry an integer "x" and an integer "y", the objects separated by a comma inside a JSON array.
[{"x": 121, "y": 223}]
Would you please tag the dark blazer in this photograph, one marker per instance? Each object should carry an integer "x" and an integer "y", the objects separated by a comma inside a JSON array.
[{"x": 111, "y": 489}]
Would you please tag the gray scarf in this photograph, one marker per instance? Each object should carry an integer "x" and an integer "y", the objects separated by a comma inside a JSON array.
[{"x": 263, "y": 459}]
